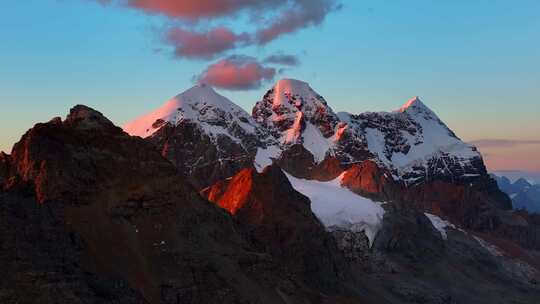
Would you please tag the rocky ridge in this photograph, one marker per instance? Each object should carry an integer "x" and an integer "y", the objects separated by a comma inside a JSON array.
[{"x": 92, "y": 215}]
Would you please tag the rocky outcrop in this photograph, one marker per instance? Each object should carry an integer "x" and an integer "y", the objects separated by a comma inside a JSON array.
[
  {"x": 200, "y": 158},
  {"x": 370, "y": 180},
  {"x": 279, "y": 220},
  {"x": 4, "y": 168},
  {"x": 204, "y": 134},
  {"x": 104, "y": 218}
]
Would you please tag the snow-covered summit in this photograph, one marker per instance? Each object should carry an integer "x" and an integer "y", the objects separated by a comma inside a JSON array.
[
  {"x": 414, "y": 143},
  {"x": 414, "y": 104},
  {"x": 200, "y": 105},
  {"x": 294, "y": 124},
  {"x": 296, "y": 114}
]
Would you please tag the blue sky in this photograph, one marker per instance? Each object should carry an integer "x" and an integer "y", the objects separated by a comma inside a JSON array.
[{"x": 476, "y": 63}]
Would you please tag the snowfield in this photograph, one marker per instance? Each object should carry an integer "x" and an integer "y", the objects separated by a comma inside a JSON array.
[
  {"x": 336, "y": 206},
  {"x": 201, "y": 105}
]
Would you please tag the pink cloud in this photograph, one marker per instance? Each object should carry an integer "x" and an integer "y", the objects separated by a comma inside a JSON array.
[
  {"x": 203, "y": 45},
  {"x": 197, "y": 9},
  {"x": 301, "y": 14},
  {"x": 237, "y": 73},
  {"x": 282, "y": 16}
]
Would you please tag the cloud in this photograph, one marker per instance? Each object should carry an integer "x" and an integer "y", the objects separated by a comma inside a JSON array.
[
  {"x": 301, "y": 14},
  {"x": 510, "y": 154},
  {"x": 494, "y": 143},
  {"x": 237, "y": 73},
  {"x": 203, "y": 45},
  {"x": 271, "y": 19},
  {"x": 200, "y": 9},
  {"x": 282, "y": 59}
]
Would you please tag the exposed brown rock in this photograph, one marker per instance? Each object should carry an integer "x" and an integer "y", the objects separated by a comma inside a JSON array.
[
  {"x": 279, "y": 219},
  {"x": 4, "y": 168},
  {"x": 368, "y": 179},
  {"x": 115, "y": 223},
  {"x": 197, "y": 157}
]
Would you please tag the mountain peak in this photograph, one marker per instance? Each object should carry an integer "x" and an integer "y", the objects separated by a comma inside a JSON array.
[
  {"x": 294, "y": 93},
  {"x": 413, "y": 103},
  {"x": 200, "y": 103},
  {"x": 202, "y": 87},
  {"x": 291, "y": 83},
  {"x": 87, "y": 118}
]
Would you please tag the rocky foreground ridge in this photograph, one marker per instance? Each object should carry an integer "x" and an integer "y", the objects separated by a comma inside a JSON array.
[{"x": 292, "y": 204}]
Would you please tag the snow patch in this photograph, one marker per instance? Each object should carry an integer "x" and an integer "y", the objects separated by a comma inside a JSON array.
[
  {"x": 315, "y": 142},
  {"x": 337, "y": 206},
  {"x": 265, "y": 157},
  {"x": 489, "y": 247},
  {"x": 440, "y": 224}
]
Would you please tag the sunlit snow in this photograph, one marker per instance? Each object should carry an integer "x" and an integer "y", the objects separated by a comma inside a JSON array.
[
  {"x": 200, "y": 105},
  {"x": 337, "y": 206}
]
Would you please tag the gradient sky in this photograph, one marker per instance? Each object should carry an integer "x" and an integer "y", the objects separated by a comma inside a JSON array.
[{"x": 475, "y": 63}]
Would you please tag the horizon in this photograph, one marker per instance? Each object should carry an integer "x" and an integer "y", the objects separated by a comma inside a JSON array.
[{"x": 477, "y": 66}]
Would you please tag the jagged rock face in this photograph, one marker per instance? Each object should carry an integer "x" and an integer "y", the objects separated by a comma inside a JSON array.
[
  {"x": 4, "y": 168},
  {"x": 368, "y": 179},
  {"x": 289, "y": 105},
  {"x": 416, "y": 146},
  {"x": 408, "y": 231},
  {"x": 279, "y": 220},
  {"x": 412, "y": 143},
  {"x": 204, "y": 134},
  {"x": 106, "y": 219},
  {"x": 307, "y": 130},
  {"x": 200, "y": 158},
  {"x": 41, "y": 259}
]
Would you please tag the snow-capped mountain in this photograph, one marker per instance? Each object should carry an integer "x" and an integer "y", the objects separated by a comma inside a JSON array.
[
  {"x": 416, "y": 145},
  {"x": 204, "y": 134},
  {"x": 294, "y": 126},
  {"x": 524, "y": 194},
  {"x": 412, "y": 142},
  {"x": 214, "y": 114},
  {"x": 296, "y": 114}
]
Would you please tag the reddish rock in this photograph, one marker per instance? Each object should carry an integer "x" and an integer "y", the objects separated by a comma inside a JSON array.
[
  {"x": 115, "y": 223},
  {"x": 368, "y": 179},
  {"x": 327, "y": 170},
  {"x": 279, "y": 219}
]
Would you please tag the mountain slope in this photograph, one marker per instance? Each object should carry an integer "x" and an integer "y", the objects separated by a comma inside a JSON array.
[
  {"x": 89, "y": 214},
  {"x": 208, "y": 136},
  {"x": 203, "y": 133},
  {"x": 416, "y": 145}
]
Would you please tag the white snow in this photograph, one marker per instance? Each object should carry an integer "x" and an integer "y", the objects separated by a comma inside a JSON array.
[
  {"x": 200, "y": 105},
  {"x": 440, "y": 224},
  {"x": 289, "y": 87},
  {"x": 433, "y": 139},
  {"x": 294, "y": 132},
  {"x": 295, "y": 94},
  {"x": 337, "y": 206},
  {"x": 315, "y": 142},
  {"x": 265, "y": 157},
  {"x": 489, "y": 247}
]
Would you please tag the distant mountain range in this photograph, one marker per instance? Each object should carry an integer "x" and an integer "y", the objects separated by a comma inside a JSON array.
[
  {"x": 514, "y": 175},
  {"x": 523, "y": 193}
]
